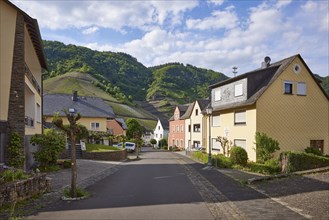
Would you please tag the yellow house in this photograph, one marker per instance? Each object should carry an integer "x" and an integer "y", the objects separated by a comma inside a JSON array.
[
  {"x": 22, "y": 61},
  {"x": 283, "y": 100},
  {"x": 94, "y": 111}
]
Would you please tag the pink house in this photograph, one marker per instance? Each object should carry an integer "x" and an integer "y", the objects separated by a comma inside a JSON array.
[{"x": 176, "y": 135}]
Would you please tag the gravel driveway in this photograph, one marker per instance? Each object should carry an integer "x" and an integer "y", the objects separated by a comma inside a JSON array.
[{"x": 307, "y": 194}]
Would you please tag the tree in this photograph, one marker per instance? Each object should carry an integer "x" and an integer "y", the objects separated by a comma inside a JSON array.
[
  {"x": 73, "y": 130},
  {"x": 226, "y": 145},
  {"x": 133, "y": 126},
  {"x": 153, "y": 142},
  {"x": 265, "y": 147}
]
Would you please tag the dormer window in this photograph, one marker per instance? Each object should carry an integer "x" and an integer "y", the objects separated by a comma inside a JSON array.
[
  {"x": 218, "y": 95},
  {"x": 238, "y": 90}
]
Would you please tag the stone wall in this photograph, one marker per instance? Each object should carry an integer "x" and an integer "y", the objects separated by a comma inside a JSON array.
[
  {"x": 24, "y": 189},
  {"x": 108, "y": 156}
]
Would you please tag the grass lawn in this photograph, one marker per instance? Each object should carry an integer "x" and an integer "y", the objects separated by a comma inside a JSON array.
[{"x": 100, "y": 148}]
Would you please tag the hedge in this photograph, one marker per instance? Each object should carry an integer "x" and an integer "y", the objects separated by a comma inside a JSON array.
[
  {"x": 263, "y": 168},
  {"x": 218, "y": 160},
  {"x": 297, "y": 161}
]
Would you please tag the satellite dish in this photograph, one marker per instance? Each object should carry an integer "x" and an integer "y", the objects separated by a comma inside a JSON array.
[{"x": 267, "y": 60}]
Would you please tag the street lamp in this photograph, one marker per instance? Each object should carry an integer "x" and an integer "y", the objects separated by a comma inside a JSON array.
[{"x": 209, "y": 112}]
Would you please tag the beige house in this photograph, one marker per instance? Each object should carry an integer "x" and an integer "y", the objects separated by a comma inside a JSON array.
[
  {"x": 94, "y": 112},
  {"x": 282, "y": 99},
  {"x": 22, "y": 61},
  {"x": 194, "y": 125}
]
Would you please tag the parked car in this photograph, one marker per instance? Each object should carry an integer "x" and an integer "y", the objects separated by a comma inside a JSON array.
[{"x": 130, "y": 146}]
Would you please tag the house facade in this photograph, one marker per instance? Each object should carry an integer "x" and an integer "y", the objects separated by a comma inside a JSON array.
[
  {"x": 146, "y": 137},
  {"x": 282, "y": 99},
  {"x": 176, "y": 136},
  {"x": 94, "y": 111},
  {"x": 22, "y": 62},
  {"x": 194, "y": 124},
  {"x": 116, "y": 126},
  {"x": 160, "y": 131}
]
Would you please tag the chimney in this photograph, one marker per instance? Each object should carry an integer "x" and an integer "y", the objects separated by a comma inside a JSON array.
[
  {"x": 266, "y": 63},
  {"x": 75, "y": 96}
]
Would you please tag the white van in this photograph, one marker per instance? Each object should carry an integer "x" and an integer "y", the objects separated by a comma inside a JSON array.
[{"x": 130, "y": 146}]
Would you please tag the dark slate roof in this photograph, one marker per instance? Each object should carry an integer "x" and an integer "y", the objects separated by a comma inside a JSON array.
[
  {"x": 122, "y": 122},
  {"x": 259, "y": 80},
  {"x": 165, "y": 124},
  {"x": 188, "y": 111},
  {"x": 182, "y": 109},
  {"x": 86, "y": 106},
  {"x": 203, "y": 103}
]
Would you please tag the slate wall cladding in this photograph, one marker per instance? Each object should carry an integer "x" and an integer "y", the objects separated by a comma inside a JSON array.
[
  {"x": 3, "y": 140},
  {"x": 16, "y": 111}
]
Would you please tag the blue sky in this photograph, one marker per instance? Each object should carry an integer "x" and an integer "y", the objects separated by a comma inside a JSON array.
[{"x": 213, "y": 34}]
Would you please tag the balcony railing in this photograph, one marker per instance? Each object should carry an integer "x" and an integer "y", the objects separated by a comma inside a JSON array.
[
  {"x": 32, "y": 79},
  {"x": 29, "y": 121}
]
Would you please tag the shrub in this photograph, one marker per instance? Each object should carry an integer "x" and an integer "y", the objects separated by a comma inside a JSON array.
[
  {"x": 12, "y": 175},
  {"x": 221, "y": 161},
  {"x": 15, "y": 151},
  {"x": 51, "y": 144},
  {"x": 153, "y": 142},
  {"x": 297, "y": 161},
  {"x": 239, "y": 156},
  {"x": 200, "y": 156},
  {"x": 265, "y": 147},
  {"x": 268, "y": 168},
  {"x": 163, "y": 143},
  {"x": 312, "y": 150},
  {"x": 80, "y": 193}
]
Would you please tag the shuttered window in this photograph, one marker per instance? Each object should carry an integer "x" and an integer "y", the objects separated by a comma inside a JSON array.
[
  {"x": 238, "y": 90},
  {"x": 216, "y": 145},
  {"x": 216, "y": 121},
  {"x": 301, "y": 88},
  {"x": 240, "y": 143},
  {"x": 240, "y": 118},
  {"x": 218, "y": 95}
]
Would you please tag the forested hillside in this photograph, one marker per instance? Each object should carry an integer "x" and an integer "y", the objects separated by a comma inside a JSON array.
[
  {"x": 181, "y": 83},
  {"x": 127, "y": 80},
  {"x": 120, "y": 72},
  {"x": 324, "y": 81}
]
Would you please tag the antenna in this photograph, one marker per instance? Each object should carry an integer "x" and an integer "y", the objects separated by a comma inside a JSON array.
[{"x": 235, "y": 70}]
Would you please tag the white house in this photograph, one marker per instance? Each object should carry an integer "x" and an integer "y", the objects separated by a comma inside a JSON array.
[
  {"x": 161, "y": 131},
  {"x": 146, "y": 137}
]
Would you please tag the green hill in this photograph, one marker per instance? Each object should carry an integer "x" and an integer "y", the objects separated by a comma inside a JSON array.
[{"x": 324, "y": 82}]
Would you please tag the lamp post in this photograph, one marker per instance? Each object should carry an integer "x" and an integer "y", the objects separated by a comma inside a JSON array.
[{"x": 209, "y": 112}]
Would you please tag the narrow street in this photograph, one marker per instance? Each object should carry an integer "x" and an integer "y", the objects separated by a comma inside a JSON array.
[{"x": 166, "y": 185}]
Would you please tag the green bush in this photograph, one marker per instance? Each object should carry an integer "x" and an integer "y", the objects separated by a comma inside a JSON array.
[
  {"x": 297, "y": 161},
  {"x": 269, "y": 168},
  {"x": 163, "y": 143},
  {"x": 200, "y": 156},
  {"x": 239, "y": 156},
  {"x": 50, "y": 145},
  {"x": 80, "y": 193},
  {"x": 265, "y": 147},
  {"x": 312, "y": 150},
  {"x": 221, "y": 161},
  {"x": 12, "y": 175},
  {"x": 15, "y": 151}
]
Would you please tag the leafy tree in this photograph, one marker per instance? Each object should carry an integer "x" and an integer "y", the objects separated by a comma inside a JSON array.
[
  {"x": 133, "y": 126},
  {"x": 153, "y": 142},
  {"x": 72, "y": 130},
  {"x": 163, "y": 143},
  {"x": 265, "y": 147},
  {"x": 50, "y": 144},
  {"x": 226, "y": 145}
]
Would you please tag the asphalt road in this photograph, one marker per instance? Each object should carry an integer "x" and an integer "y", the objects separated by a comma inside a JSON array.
[{"x": 156, "y": 187}]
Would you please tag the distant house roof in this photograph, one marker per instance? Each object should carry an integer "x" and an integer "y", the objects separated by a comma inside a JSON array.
[
  {"x": 203, "y": 103},
  {"x": 182, "y": 109},
  {"x": 259, "y": 80},
  {"x": 86, "y": 106},
  {"x": 33, "y": 29},
  {"x": 122, "y": 122},
  {"x": 164, "y": 123}
]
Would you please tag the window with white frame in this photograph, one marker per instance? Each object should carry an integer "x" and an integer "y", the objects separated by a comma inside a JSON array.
[
  {"x": 301, "y": 88},
  {"x": 196, "y": 112},
  {"x": 177, "y": 143},
  {"x": 288, "y": 87},
  {"x": 173, "y": 128},
  {"x": 216, "y": 145},
  {"x": 196, "y": 127},
  {"x": 238, "y": 90},
  {"x": 216, "y": 121},
  {"x": 177, "y": 128},
  {"x": 182, "y": 128},
  {"x": 38, "y": 117},
  {"x": 218, "y": 95},
  {"x": 160, "y": 135},
  {"x": 240, "y": 118},
  {"x": 95, "y": 126},
  {"x": 240, "y": 143}
]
